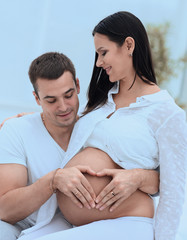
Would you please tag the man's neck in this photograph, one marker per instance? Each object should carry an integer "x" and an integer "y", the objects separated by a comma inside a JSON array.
[{"x": 61, "y": 135}]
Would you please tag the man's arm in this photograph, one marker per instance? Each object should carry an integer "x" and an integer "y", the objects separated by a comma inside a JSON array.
[
  {"x": 17, "y": 200},
  {"x": 124, "y": 184},
  {"x": 149, "y": 182}
]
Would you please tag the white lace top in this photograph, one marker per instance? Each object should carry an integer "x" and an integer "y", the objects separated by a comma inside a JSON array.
[{"x": 146, "y": 134}]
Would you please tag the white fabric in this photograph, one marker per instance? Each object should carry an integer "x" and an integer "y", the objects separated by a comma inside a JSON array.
[
  {"x": 126, "y": 228},
  {"x": 120, "y": 137},
  {"x": 26, "y": 141},
  {"x": 57, "y": 224},
  {"x": 9, "y": 231},
  {"x": 149, "y": 132}
]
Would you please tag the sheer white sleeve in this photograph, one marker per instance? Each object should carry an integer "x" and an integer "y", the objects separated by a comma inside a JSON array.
[{"x": 172, "y": 142}]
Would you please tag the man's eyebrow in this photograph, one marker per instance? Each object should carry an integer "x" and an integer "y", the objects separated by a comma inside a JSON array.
[
  {"x": 69, "y": 90},
  {"x": 46, "y": 97}
]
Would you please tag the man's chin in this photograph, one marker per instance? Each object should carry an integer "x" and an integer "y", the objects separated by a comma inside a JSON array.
[{"x": 67, "y": 123}]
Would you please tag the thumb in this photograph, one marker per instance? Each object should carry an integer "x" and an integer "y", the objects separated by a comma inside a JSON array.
[{"x": 86, "y": 169}]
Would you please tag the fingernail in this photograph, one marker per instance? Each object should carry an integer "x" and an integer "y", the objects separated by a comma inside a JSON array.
[
  {"x": 93, "y": 205},
  {"x": 101, "y": 208}
]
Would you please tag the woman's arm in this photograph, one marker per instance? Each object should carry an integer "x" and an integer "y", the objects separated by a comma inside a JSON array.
[
  {"x": 16, "y": 116},
  {"x": 172, "y": 143}
]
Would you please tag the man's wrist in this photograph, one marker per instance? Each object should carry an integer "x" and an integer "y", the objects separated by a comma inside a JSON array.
[
  {"x": 53, "y": 184},
  {"x": 139, "y": 177}
]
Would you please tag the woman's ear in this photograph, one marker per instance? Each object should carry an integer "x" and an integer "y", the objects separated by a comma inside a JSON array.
[{"x": 130, "y": 45}]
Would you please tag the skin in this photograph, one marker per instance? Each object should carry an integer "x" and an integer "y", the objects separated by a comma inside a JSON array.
[{"x": 115, "y": 60}]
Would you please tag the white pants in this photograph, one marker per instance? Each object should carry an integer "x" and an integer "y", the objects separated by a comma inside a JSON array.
[
  {"x": 127, "y": 228},
  {"x": 12, "y": 232},
  {"x": 57, "y": 224}
]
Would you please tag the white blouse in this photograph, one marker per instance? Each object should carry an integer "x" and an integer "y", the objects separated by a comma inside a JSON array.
[{"x": 150, "y": 132}]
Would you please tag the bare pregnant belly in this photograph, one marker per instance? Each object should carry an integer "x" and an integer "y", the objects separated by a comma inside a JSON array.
[{"x": 138, "y": 204}]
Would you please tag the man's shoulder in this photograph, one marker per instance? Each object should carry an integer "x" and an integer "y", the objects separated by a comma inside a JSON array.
[{"x": 22, "y": 122}]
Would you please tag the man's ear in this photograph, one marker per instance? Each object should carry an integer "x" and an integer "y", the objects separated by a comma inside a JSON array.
[
  {"x": 77, "y": 85},
  {"x": 129, "y": 45},
  {"x": 36, "y": 98}
]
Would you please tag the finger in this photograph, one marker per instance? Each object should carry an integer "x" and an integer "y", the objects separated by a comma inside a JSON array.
[
  {"x": 78, "y": 195},
  {"x": 109, "y": 188},
  {"x": 106, "y": 199},
  {"x": 16, "y": 116},
  {"x": 75, "y": 200},
  {"x": 89, "y": 188},
  {"x": 105, "y": 172},
  {"x": 116, "y": 204},
  {"x": 23, "y": 114},
  {"x": 86, "y": 169},
  {"x": 111, "y": 201},
  {"x": 86, "y": 198},
  {"x": 3, "y": 123}
]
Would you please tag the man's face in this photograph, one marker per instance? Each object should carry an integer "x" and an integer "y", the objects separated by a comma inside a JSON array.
[{"x": 59, "y": 100}]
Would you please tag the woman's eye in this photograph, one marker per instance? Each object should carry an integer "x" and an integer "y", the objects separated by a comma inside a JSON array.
[{"x": 104, "y": 53}]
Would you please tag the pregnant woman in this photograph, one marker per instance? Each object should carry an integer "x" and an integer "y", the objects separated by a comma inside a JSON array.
[{"x": 136, "y": 129}]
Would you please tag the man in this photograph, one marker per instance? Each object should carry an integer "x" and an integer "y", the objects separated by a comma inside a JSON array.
[{"x": 32, "y": 149}]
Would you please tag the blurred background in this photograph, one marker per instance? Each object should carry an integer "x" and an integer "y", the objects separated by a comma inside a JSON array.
[{"x": 30, "y": 28}]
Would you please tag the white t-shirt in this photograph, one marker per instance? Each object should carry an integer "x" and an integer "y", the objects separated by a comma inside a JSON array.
[
  {"x": 150, "y": 132},
  {"x": 26, "y": 141}
]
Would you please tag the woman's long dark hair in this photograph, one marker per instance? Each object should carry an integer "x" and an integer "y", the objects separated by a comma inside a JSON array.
[{"x": 117, "y": 27}]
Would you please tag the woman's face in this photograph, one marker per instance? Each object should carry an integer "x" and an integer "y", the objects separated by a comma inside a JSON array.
[{"x": 115, "y": 60}]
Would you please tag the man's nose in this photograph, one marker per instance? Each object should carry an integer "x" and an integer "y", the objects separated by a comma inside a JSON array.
[{"x": 62, "y": 106}]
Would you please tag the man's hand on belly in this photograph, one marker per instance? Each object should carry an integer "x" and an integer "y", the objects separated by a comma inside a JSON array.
[
  {"x": 74, "y": 184},
  {"x": 122, "y": 186}
]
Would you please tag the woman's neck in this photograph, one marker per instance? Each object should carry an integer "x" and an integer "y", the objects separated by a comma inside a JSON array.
[{"x": 126, "y": 96}]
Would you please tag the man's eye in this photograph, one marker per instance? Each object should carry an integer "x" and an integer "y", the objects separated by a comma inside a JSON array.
[
  {"x": 52, "y": 101},
  {"x": 69, "y": 96}
]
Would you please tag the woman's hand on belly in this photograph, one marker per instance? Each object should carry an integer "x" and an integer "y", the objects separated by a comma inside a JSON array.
[
  {"x": 124, "y": 183},
  {"x": 74, "y": 184}
]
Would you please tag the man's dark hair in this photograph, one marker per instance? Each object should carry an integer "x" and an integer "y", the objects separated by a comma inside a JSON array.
[{"x": 50, "y": 66}]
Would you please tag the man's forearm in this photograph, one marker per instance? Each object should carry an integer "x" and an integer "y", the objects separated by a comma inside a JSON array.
[
  {"x": 149, "y": 180},
  {"x": 19, "y": 203}
]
